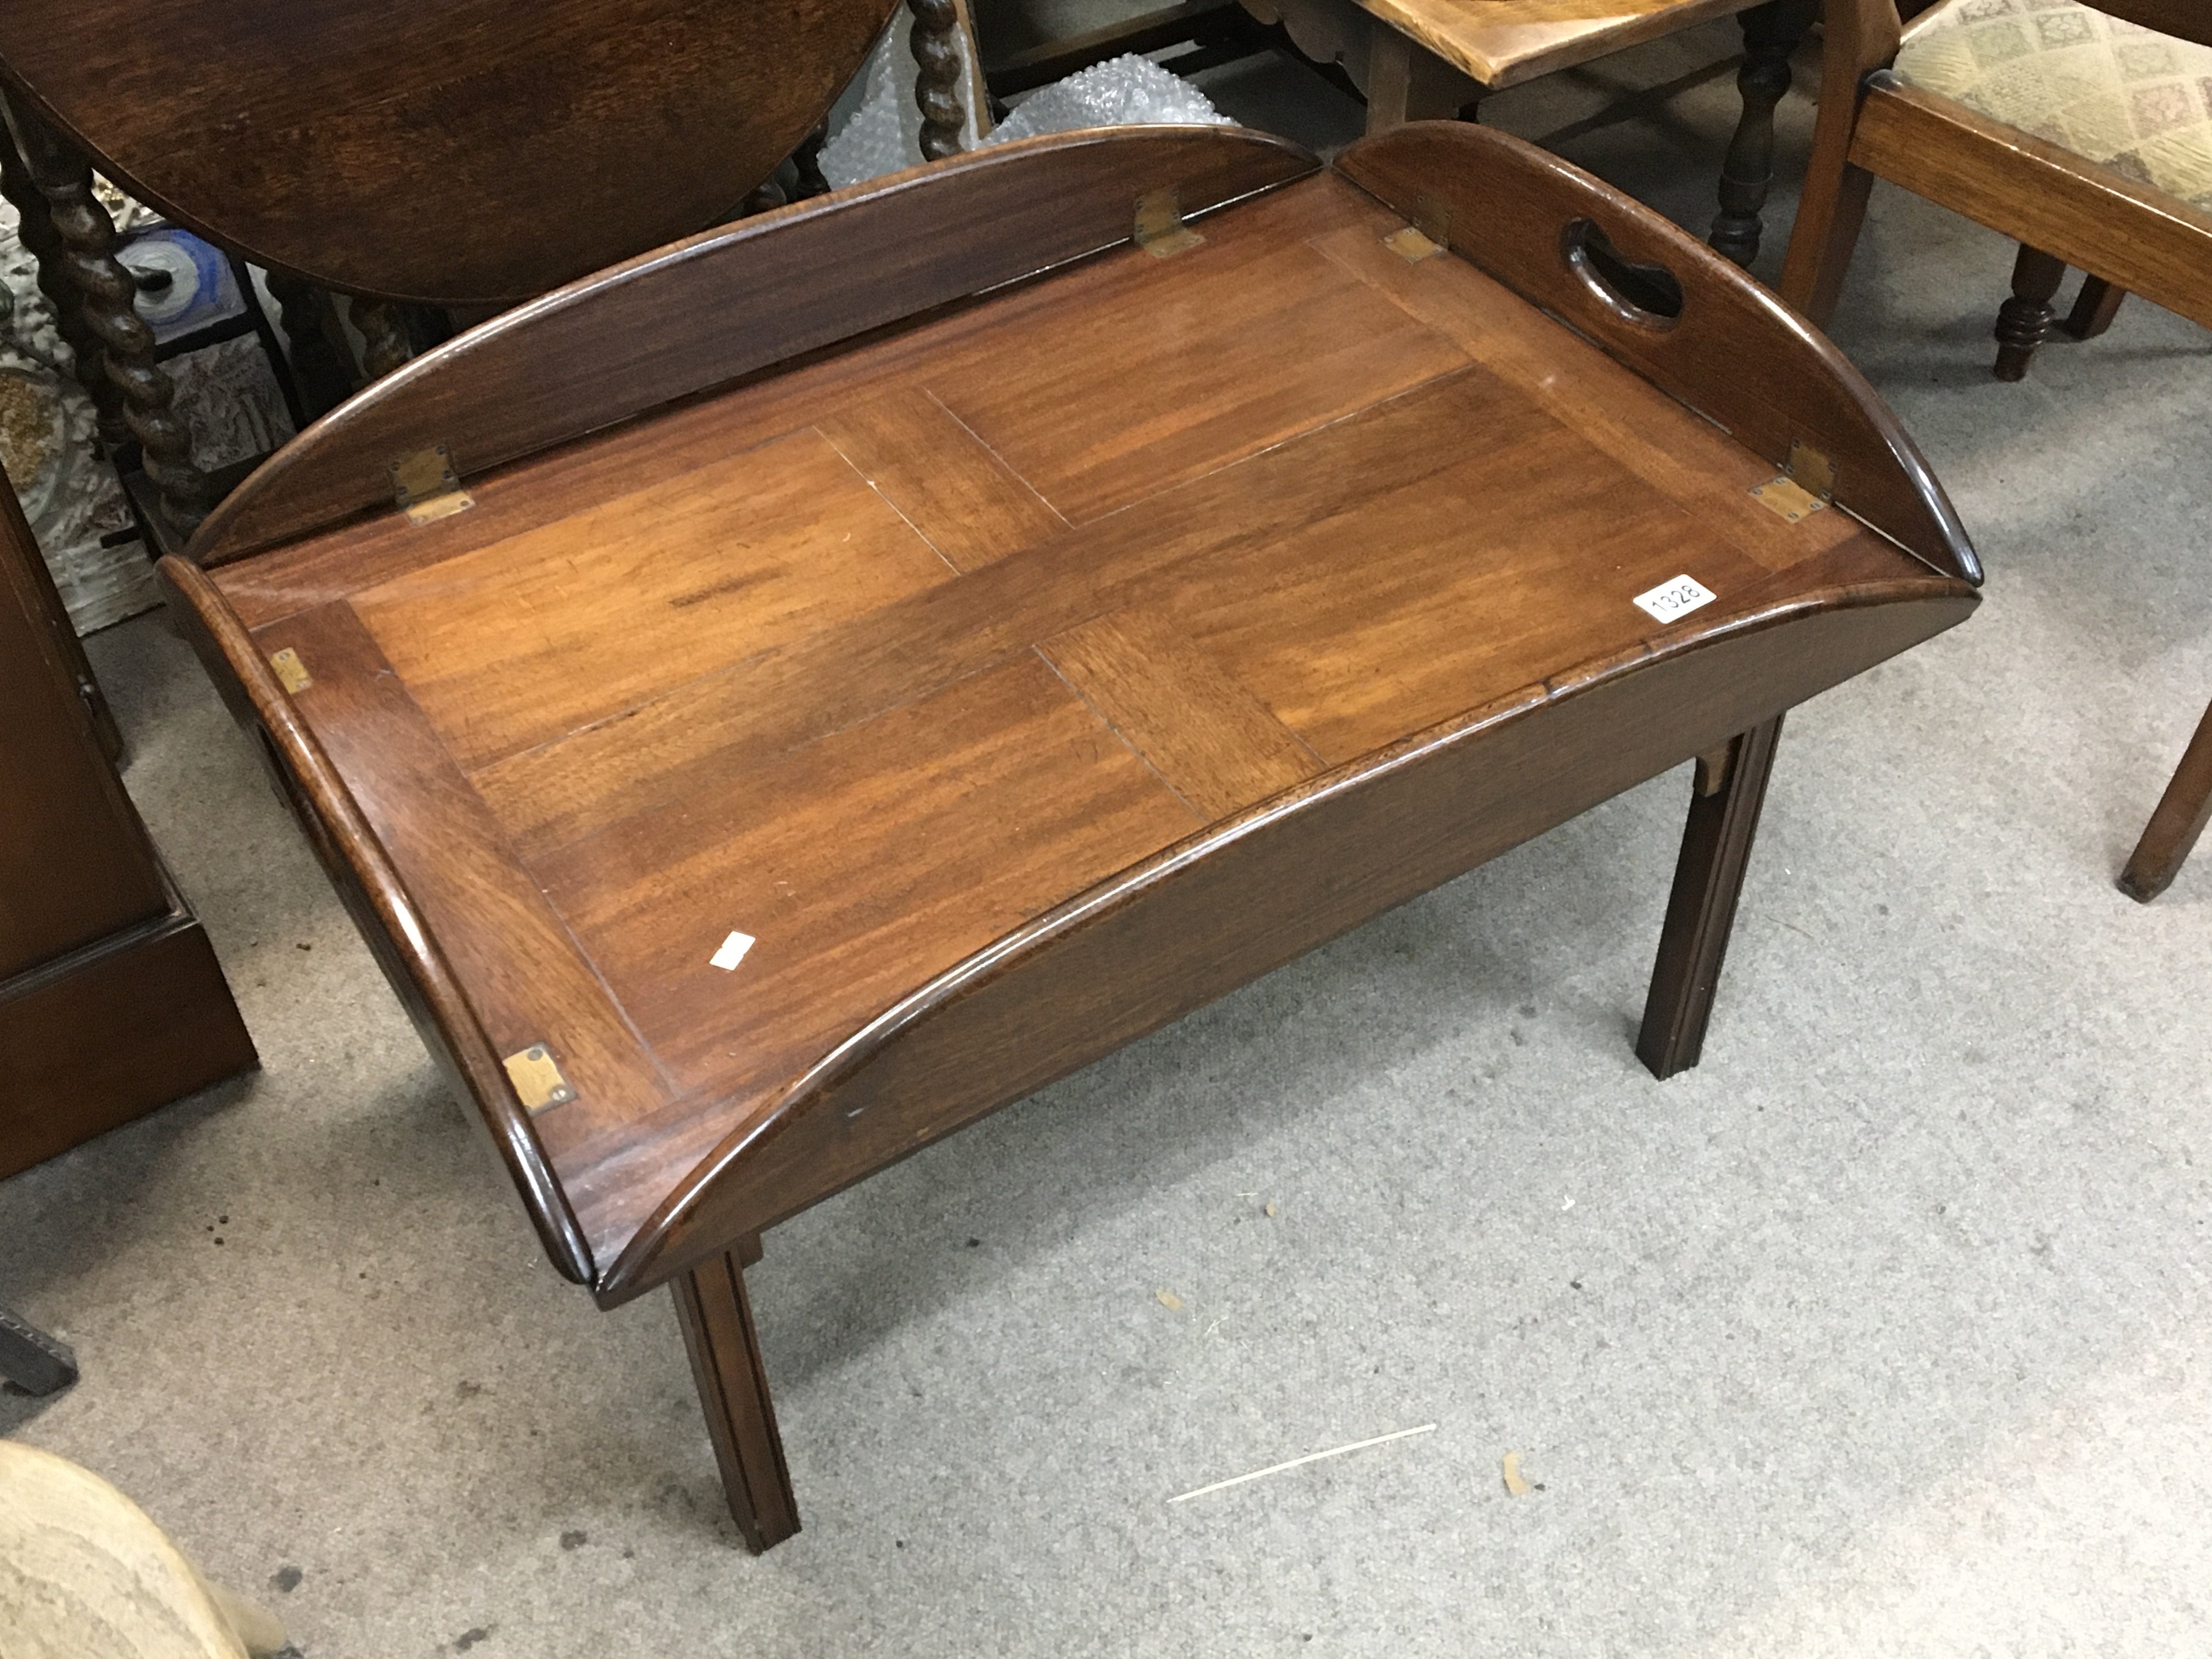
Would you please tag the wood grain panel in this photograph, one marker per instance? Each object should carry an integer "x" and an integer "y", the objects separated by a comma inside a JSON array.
[
  {"x": 530, "y": 638},
  {"x": 527, "y": 980},
  {"x": 1216, "y": 744},
  {"x": 860, "y": 864},
  {"x": 1736, "y": 352},
  {"x": 106, "y": 1033},
  {"x": 1174, "y": 933},
  {"x": 1150, "y": 383},
  {"x": 702, "y": 313},
  {"x": 944, "y": 480},
  {"x": 75, "y": 860},
  {"x": 1503, "y": 44},
  {"x": 716, "y": 727},
  {"x": 1436, "y": 597},
  {"x": 1664, "y": 443},
  {"x": 474, "y": 151},
  {"x": 632, "y": 456}
]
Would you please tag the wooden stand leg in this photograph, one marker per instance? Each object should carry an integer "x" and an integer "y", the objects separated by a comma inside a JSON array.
[
  {"x": 1406, "y": 82},
  {"x": 725, "y": 1361},
  {"x": 2096, "y": 309},
  {"x": 2182, "y": 814},
  {"x": 317, "y": 368},
  {"x": 384, "y": 345},
  {"x": 1770, "y": 33},
  {"x": 935, "y": 43},
  {"x": 2024, "y": 323},
  {"x": 35, "y": 230},
  {"x": 108, "y": 294},
  {"x": 1716, "y": 848}
]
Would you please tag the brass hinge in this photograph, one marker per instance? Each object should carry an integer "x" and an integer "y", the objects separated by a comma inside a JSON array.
[
  {"x": 1807, "y": 484},
  {"x": 1160, "y": 229},
  {"x": 291, "y": 674},
  {"x": 426, "y": 488},
  {"x": 1429, "y": 231},
  {"x": 537, "y": 1078},
  {"x": 1412, "y": 244}
]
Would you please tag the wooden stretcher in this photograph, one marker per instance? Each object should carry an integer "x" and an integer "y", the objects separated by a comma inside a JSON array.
[{"x": 774, "y": 701}]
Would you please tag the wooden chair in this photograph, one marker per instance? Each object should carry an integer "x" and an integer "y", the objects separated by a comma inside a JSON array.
[
  {"x": 1422, "y": 59},
  {"x": 776, "y": 701},
  {"x": 2118, "y": 183},
  {"x": 348, "y": 148},
  {"x": 2085, "y": 134}
]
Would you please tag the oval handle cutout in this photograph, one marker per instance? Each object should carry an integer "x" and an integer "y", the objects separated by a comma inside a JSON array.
[{"x": 1637, "y": 292}]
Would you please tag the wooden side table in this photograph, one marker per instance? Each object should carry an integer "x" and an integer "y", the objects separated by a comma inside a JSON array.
[
  {"x": 110, "y": 1001},
  {"x": 1417, "y": 60}
]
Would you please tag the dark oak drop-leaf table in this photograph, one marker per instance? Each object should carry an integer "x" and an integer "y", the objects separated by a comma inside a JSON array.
[{"x": 834, "y": 675}]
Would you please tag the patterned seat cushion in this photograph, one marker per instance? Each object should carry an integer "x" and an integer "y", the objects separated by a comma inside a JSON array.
[{"x": 2113, "y": 93}]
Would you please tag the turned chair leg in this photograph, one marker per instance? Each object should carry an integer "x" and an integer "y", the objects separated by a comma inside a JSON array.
[
  {"x": 2024, "y": 324},
  {"x": 1770, "y": 33},
  {"x": 2182, "y": 814},
  {"x": 2095, "y": 311},
  {"x": 725, "y": 1362},
  {"x": 1724, "y": 810}
]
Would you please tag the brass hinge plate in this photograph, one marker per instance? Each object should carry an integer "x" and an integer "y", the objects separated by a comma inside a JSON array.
[
  {"x": 1806, "y": 485},
  {"x": 291, "y": 674},
  {"x": 1412, "y": 244},
  {"x": 426, "y": 488},
  {"x": 1160, "y": 229},
  {"x": 537, "y": 1078}
]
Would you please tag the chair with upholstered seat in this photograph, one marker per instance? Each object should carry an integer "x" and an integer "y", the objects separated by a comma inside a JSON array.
[{"x": 2086, "y": 133}]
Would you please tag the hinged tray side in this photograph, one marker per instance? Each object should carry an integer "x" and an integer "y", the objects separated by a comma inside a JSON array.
[
  {"x": 1689, "y": 321},
  {"x": 383, "y": 909},
  {"x": 698, "y": 313},
  {"x": 1260, "y": 887}
]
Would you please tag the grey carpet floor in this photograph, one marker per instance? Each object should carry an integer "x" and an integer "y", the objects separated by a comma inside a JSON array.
[{"x": 1886, "y": 1331}]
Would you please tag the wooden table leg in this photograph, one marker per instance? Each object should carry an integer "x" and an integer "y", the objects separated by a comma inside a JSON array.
[
  {"x": 1708, "y": 880},
  {"x": 725, "y": 1361},
  {"x": 1770, "y": 33},
  {"x": 2096, "y": 310},
  {"x": 1407, "y": 82},
  {"x": 2182, "y": 814}
]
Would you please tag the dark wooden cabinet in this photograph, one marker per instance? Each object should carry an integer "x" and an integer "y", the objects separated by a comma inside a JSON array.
[{"x": 110, "y": 1001}]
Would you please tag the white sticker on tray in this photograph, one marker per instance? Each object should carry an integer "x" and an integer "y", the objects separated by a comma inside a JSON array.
[
  {"x": 732, "y": 951},
  {"x": 1678, "y": 597}
]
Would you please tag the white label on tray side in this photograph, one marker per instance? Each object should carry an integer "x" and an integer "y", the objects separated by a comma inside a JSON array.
[
  {"x": 732, "y": 951},
  {"x": 1677, "y": 598}
]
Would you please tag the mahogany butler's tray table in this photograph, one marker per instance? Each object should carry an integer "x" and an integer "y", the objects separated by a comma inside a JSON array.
[{"x": 879, "y": 656}]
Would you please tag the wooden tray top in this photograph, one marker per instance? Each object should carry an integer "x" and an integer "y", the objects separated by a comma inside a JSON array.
[{"x": 919, "y": 657}]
